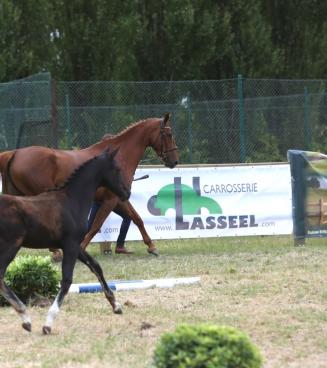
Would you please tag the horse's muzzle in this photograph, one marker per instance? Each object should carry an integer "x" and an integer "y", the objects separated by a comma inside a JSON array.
[{"x": 171, "y": 164}]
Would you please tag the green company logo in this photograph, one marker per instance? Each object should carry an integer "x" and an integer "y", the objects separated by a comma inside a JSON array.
[{"x": 188, "y": 201}]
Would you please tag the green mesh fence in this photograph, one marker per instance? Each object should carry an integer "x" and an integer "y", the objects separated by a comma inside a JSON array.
[
  {"x": 214, "y": 121},
  {"x": 25, "y": 111}
]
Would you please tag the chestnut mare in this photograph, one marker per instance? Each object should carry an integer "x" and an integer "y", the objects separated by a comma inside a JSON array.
[
  {"x": 35, "y": 169},
  {"x": 57, "y": 218}
]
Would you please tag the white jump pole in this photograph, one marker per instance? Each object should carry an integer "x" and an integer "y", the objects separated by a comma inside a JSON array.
[{"x": 133, "y": 284}]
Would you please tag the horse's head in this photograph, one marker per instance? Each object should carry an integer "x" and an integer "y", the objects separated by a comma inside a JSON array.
[
  {"x": 165, "y": 145},
  {"x": 112, "y": 176}
]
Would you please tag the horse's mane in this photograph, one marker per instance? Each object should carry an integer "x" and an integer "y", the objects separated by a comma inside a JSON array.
[
  {"x": 72, "y": 175},
  {"x": 129, "y": 127}
]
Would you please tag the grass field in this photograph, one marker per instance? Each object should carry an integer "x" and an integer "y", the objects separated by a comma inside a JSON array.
[{"x": 273, "y": 291}]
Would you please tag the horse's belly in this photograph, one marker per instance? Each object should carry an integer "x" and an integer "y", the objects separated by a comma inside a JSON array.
[{"x": 40, "y": 238}]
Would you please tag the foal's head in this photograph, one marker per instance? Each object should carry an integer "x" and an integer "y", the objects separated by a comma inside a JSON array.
[{"x": 112, "y": 175}]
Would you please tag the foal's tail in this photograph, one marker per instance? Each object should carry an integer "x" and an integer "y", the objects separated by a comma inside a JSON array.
[{"x": 5, "y": 159}]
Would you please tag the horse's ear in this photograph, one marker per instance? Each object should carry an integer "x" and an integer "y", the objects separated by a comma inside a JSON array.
[
  {"x": 167, "y": 117},
  {"x": 107, "y": 136}
]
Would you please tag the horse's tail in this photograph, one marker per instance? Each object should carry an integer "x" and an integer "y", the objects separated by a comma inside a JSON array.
[
  {"x": 6, "y": 159},
  {"x": 5, "y": 156}
]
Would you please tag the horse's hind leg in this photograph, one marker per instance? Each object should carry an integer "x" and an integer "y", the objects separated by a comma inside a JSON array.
[
  {"x": 5, "y": 259},
  {"x": 102, "y": 213},
  {"x": 127, "y": 208},
  {"x": 94, "y": 266},
  {"x": 17, "y": 304}
]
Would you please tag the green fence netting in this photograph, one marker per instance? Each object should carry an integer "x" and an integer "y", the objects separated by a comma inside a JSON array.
[{"x": 214, "y": 121}]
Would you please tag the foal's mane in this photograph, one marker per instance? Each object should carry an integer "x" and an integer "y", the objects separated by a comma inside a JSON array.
[{"x": 72, "y": 175}]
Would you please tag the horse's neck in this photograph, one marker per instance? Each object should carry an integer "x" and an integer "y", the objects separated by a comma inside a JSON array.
[
  {"x": 131, "y": 149},
  {"x": 96, "y": 149},
  {"x": 81, "y": 188},
  {"x": 132, "y": 144}
]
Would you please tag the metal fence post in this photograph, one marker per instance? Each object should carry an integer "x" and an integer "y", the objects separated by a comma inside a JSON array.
[
  {"x": 68, "y": 122},
  {"x": 241, "y": 117},
  {"x": 54, "y": 113},
  {"x": 307, "y": 126},
  {"x": 190, "y": 127}
]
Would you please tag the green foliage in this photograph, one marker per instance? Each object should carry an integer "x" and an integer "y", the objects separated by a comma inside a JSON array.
[
  {"x": 25, "y": 38},
  {"x": 30, "y": 276},
  {"x": 264, "y": 144},
  {"x": 170, "y": 40},
  {"x": 206, "y": 346},
  {"x": 298, "y": 30},
  {"x": 95, "y": 39},
  {"x": 166, "y": 40}
]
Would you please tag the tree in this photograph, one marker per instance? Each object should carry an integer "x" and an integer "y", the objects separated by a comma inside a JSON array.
[
  {"x": 25, "y": 38},
  {"x": 179, "y": 38},
  {"x": 299, "y": 32},
  {"x": 95, "y": 39}
]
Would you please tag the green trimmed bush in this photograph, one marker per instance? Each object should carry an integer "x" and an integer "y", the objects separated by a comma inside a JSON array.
[
  {"x": 31, "y": 277},
  {"x": 206, "y": 346}
]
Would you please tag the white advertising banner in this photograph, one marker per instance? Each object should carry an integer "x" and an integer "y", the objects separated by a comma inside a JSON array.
[{"x": 192, "y": 202}]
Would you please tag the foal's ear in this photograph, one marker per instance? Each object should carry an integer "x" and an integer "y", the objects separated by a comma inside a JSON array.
[
  {"x": 167, "y": 117},
  {"x": 113, "y": 153}
]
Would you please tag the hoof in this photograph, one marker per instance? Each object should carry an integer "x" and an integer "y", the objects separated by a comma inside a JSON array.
[
  {"x": 118, "y": 309},
  {"x": 27, "y": 326},
  {"x": 153, "y": 251},
  {"x": 46, "y": 330}
]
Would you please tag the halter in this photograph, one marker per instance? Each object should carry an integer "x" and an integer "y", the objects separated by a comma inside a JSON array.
[{"x": 163, "y": 154}]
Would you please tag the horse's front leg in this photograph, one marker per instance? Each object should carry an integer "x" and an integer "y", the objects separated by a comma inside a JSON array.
[
  {"x": 103, "y": 212},
  {"x": 95, "y": 267},
  {"x": 127, "y": 208},
  {"x": 68, "y": 264}
]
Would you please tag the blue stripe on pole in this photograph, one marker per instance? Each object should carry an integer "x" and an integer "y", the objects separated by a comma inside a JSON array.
[{"x": 94, "y": 288}]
